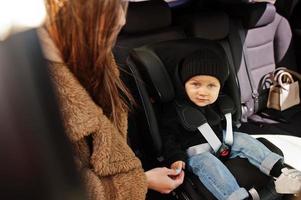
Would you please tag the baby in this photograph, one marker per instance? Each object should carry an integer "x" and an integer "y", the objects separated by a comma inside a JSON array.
[{"x": 202, "y": 75}]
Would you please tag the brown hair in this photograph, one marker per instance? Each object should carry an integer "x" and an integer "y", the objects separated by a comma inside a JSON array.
[{"x": 85, "y": 32}]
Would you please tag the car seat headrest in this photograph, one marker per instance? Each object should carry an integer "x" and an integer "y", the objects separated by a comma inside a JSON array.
[
  {"x": 147, "y": 16},
  {"x": 154, "y": 73},
  {"x": 211, "y": 25},
  {"x": 260, "y": 14},
  {"x": 158, "y": 64},
  {"x": 255, "y": 14}
]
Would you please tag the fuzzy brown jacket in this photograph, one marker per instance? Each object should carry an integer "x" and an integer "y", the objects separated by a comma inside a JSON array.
[{"x": 110, "y": 171}]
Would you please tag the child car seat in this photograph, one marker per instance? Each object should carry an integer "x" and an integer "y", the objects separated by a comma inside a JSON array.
[
  {"x": 146, "y": 22},
  {"x": 151, "y": 66}
]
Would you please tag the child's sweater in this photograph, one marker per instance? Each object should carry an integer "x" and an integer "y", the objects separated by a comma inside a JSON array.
[{"x": 176, "y": 139}]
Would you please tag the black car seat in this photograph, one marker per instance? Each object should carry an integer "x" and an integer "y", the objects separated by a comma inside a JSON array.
[
  {"x": 214, "y": 25},
  {"x": 146, "y": 22},
  {"x": 151, "y": 66},
  {"x": 261, "y": 40}
]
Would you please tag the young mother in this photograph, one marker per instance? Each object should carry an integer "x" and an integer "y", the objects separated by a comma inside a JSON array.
[{"x": 77, "y": 40}]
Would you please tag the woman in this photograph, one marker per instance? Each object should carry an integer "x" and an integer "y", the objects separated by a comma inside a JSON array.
[{"x": 77, "y": 40}]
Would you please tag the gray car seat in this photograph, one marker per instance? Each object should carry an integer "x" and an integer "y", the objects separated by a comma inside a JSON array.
[
  {"x": 258, "y": 40},
  {"x": 261, "y": 40}
]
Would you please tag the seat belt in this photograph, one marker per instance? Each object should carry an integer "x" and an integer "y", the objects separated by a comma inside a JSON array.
[
  {"x": 221, "y": 149},
  {"x": 210, "y": 136},
  {"x": 192, "y": 119},
  {"x": 232, "y": 67},
  {"x": 229, "y": 129},
  {"x": 255, "y": 94},
  {"x": 236, "y": 49}
]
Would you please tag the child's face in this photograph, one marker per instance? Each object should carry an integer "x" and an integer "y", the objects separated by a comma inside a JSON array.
[{"x": 202, "y": 89}]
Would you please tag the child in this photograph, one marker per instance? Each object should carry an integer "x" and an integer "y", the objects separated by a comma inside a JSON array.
[{"x": 202, "y": 75}]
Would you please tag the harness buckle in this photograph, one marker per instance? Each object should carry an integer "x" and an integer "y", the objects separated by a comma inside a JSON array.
[{"x": 224, "y": 151}]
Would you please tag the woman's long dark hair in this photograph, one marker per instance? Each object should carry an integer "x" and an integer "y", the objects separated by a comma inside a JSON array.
[{"x": 85, "y": 32}]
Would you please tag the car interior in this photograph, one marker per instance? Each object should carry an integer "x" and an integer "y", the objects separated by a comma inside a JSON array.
[
  {"x": 257, "y": 37},
  {"x": 256, "y": 40}
]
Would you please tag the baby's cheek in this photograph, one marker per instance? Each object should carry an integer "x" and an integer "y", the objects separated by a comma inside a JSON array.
[{"x": 213, "y": 99}]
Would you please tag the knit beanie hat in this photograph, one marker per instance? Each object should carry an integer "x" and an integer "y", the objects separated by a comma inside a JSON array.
[{"x": 205, "y": 62}]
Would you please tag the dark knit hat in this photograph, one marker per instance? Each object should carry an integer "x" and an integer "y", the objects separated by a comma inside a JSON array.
[{"x": 205, "y": 62}]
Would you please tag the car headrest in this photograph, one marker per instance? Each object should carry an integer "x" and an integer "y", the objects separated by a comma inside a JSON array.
[
  {"x": 211, "y": 25},
  {"x": 158, "y": 64},
  {"x": 260, "y": 14},
  {"x": 154, "y": 73},
  {"x": 147, "y": 16},
  {"x": 255, "y": 14}
]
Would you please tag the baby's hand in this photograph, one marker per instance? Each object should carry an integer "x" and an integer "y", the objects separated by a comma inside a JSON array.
[{"x": 178, "y": 166}]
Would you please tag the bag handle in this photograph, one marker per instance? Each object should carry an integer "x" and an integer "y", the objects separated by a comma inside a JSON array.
[
  {"x": 295, "y": 74},
  {"x": 283, "y": 77}
]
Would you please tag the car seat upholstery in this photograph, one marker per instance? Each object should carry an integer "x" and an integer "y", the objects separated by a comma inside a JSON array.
[
  {"x": 261, "y": 40},
  {"x": 153, "y": 64},
  {"x": 147, "y": 22},
  {"x": 215, "y": 26},
  {"x": 267, "y": 44},
  {"x": 143, "y": 131}
]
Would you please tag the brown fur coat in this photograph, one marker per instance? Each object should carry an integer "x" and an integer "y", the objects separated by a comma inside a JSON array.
[{"x": 111, "y": 170}]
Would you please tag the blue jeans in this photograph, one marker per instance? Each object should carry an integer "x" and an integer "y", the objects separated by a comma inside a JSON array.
[{"x": 218, "y": 179}]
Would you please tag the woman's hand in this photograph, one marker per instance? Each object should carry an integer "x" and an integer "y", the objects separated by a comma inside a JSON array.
[{"x": 164, "y": 180}]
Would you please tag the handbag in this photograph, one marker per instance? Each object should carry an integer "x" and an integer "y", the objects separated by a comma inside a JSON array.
[{"x": 284, "y": 91}]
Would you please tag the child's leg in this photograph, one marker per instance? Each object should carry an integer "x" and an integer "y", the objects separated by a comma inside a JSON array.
[
  {"x": 216, "y": 177},
  {"x": 245, "y": 146}
]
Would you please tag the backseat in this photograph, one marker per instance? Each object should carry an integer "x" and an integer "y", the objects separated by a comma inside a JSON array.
[
  {"x": 146, "y": 22},
  {"x": 155, "y": 64},
  {"x": 259, "y": 40},
  {"x": 147, "y": 64}
]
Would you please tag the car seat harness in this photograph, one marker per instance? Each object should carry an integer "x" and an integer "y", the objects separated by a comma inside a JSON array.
[{"x": 193, "y": 119}]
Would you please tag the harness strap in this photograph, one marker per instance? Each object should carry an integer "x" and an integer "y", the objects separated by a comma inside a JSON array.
[
  {"x": 229, "y": 129},
  {"x": 210, "y": 136},
  {"x": 255, "y": 94}
]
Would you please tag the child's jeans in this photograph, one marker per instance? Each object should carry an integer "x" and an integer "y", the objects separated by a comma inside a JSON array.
[{"x": 218, "y": 179}]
